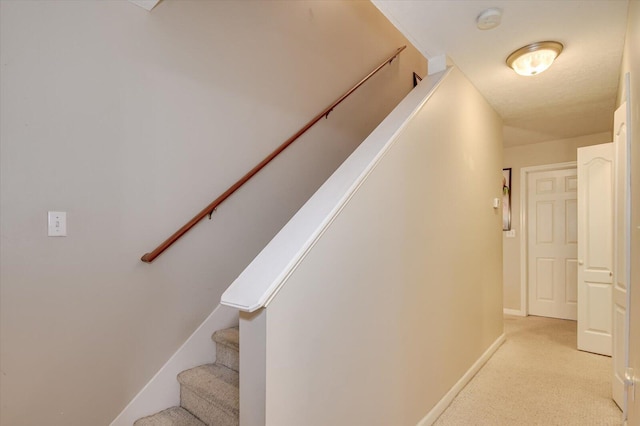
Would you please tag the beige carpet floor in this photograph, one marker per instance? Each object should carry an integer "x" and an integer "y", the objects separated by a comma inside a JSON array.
[{"x": 537, "y": 377}]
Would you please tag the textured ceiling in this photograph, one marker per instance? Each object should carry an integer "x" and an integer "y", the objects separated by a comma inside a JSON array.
[{"x": 575, "y": 97}]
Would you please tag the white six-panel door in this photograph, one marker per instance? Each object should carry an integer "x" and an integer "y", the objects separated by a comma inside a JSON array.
[
  {"x": 552, "y": 243},
  {"x": 622, "y": 271},
  {"x": 595, "y": 248}
]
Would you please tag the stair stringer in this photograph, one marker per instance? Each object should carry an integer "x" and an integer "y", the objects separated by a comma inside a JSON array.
[{"x": 163, "y": 390}]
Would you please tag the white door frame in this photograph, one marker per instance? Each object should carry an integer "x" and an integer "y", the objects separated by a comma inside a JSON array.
[{"x": 524, "y": 195}]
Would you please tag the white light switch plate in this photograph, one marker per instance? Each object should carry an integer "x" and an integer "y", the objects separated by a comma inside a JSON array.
[
  {"x": 510, "y": 234},
  {"x": 57, "y": 222}
]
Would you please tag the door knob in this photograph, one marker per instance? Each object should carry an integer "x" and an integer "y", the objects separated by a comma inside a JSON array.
[
  {"x": 630, "y": 380},
  {"x": 580, "y": 262}
]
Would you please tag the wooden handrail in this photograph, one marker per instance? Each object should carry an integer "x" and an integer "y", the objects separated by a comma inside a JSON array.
[{"x": 207, "y": 211}]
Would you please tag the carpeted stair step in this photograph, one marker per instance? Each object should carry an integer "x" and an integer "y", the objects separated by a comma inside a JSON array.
[
  {"x": 174, "y": 416},
  {"x": 228, "y": 347},
  {"x": 211, "y": 393}
]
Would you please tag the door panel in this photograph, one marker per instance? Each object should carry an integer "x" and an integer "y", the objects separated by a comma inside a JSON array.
[
  {"x": 544, "y": 219},
  {"x": 571, "y": 287},
  {"x": 598, "y": 261},
  {"x": 571, "y": 227},
  {"x": 598, "y": 320},
  {"x": 545, "y": 279},
  {"x": 595, "y": 248}
]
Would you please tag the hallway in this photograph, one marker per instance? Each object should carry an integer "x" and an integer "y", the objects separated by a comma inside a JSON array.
[{"x": 537, "y": 377}]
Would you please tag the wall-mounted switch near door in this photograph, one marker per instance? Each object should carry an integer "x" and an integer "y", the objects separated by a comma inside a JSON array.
[
  {"x": 57, "y": 224},
  {"x": 510, "y": 233}
]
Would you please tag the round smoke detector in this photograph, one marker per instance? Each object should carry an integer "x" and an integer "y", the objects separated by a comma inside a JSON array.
[{"x": 489, "y": 19}]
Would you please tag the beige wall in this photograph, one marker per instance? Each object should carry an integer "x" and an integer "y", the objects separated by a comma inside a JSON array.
[
  {"x": 132, "y": 122},
  {"x": 402, "y": 293},
  {"x": 631, "y": 64},
  {"x": 517, "y": 157}
]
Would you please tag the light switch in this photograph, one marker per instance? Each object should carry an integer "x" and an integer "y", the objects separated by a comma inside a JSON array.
[
  {"x": 57, "y": 224},
  {"x": 510, "y": 233}
]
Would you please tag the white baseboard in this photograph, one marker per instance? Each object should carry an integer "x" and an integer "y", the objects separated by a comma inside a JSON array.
[
  {"x": 163, "y": 390},
  {"x": 516, "y": 312},
  {"x": 442, "y": 405}
]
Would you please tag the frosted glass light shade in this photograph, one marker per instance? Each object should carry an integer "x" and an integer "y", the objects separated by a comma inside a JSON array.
[{"x": 534, "y": 58}]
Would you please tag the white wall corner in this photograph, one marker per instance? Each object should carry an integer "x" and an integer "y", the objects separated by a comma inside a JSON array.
[
  {"x": 145, "y": 4},
  {"x": 437, "y": 64}
]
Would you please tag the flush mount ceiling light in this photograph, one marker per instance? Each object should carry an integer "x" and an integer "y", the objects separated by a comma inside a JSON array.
[{"x": 535, "y": 57}]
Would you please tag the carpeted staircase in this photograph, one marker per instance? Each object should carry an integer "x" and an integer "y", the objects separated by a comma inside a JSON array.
[{"x": 209, "y": 394}]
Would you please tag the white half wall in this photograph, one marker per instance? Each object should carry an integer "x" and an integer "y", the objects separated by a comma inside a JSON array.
[{"x": 402, "y": 293}]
